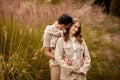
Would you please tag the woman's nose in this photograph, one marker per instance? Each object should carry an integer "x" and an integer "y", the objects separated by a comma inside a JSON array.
[{"x": 76, "y": 29}]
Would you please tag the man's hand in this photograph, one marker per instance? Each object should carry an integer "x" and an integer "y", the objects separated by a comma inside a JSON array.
[{"x": 68, "y": 61}]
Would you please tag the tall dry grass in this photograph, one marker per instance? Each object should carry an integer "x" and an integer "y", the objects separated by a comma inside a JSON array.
[
  {"x": 33, "y": 12},
  {"x": 22, "y": 23},
  {"x": 21, "y": 44},
  {"x": 21, "y": 52},
  {"x": 21, "y": 34}
]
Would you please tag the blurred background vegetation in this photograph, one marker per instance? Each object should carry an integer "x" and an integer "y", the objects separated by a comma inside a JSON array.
[{"x": 22, "y": 23}]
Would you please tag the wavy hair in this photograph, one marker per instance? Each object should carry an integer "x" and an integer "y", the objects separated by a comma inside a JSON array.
[{"x": 77, "y": 35}]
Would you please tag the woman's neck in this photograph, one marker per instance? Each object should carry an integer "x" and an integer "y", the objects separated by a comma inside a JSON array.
[{"x": 71, "y": 35}]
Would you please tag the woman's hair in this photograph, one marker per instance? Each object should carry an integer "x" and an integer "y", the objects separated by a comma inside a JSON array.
[{"x": 77, "y": 35}]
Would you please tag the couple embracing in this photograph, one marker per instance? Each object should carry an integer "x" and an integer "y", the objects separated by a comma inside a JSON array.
[{"x": 67, "y": 50}]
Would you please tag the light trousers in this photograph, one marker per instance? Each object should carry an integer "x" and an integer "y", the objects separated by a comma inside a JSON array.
[
  {"x": 55, "y": 72},
  {"x": 81, "y": 77}
]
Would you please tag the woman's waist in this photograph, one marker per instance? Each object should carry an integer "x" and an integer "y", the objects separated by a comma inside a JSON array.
[{"x": 76, "y": 63}]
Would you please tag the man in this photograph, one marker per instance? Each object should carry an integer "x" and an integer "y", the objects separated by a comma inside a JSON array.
[{"x": 51, "y": 35}]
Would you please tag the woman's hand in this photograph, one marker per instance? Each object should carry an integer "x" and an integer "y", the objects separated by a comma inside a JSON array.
[
  {"x": 75, "y": 70},
  {"x": 78, "y": 72},
  {"x": 82, "y": 62},
  {"x": 68, "y": 61}
]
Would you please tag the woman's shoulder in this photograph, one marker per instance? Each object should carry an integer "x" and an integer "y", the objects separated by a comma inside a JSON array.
[
  {"x": 60, "y": 40},
  {"x": 83, "y": 40}
]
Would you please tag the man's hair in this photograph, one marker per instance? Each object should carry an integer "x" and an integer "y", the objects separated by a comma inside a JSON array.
[{"x": 65, "y": 19}]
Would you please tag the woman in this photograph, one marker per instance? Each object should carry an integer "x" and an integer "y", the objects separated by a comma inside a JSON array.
[{"x": 72, "y": 54}]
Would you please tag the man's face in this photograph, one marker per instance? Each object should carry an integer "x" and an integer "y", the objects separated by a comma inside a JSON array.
[{"x": 62, "y": 27}]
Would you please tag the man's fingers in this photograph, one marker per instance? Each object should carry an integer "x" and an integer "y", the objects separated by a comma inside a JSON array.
[{"x": 69, "y": 63}]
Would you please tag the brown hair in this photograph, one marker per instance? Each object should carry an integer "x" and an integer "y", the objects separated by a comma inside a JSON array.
[{"x": 77, "y": 35}]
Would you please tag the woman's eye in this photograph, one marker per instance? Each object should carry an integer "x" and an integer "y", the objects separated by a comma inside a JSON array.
[{"x": 76, "y": 27}]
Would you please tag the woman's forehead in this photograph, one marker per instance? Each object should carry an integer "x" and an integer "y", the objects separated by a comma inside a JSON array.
[{"x": 76, "y": 23}]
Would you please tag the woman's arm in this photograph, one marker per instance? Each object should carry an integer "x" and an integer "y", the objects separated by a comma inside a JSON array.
[
  {"x": 59, "y": 56},
  {"x": 87, "y": 60}
]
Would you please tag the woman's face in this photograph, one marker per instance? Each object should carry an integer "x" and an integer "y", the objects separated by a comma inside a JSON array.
[{"x": 74, "y": 28}]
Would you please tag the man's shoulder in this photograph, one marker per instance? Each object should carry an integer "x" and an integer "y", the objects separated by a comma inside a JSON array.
[
  {"x": 48, "y": 28},
  {"x": 61, "y": 38}
]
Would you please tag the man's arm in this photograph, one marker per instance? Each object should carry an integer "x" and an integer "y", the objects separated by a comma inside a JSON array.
[
  {"x": 48, "y": 53},
  {"x": 46, "y": 45}
]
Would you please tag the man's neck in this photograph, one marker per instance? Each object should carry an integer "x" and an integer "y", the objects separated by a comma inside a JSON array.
[{"x": 57, "y": 25}]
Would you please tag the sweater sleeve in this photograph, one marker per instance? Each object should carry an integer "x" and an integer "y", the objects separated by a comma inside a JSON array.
[
  {"x": 59, "y": 54},
  {"x": 86, "y": 64}
]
